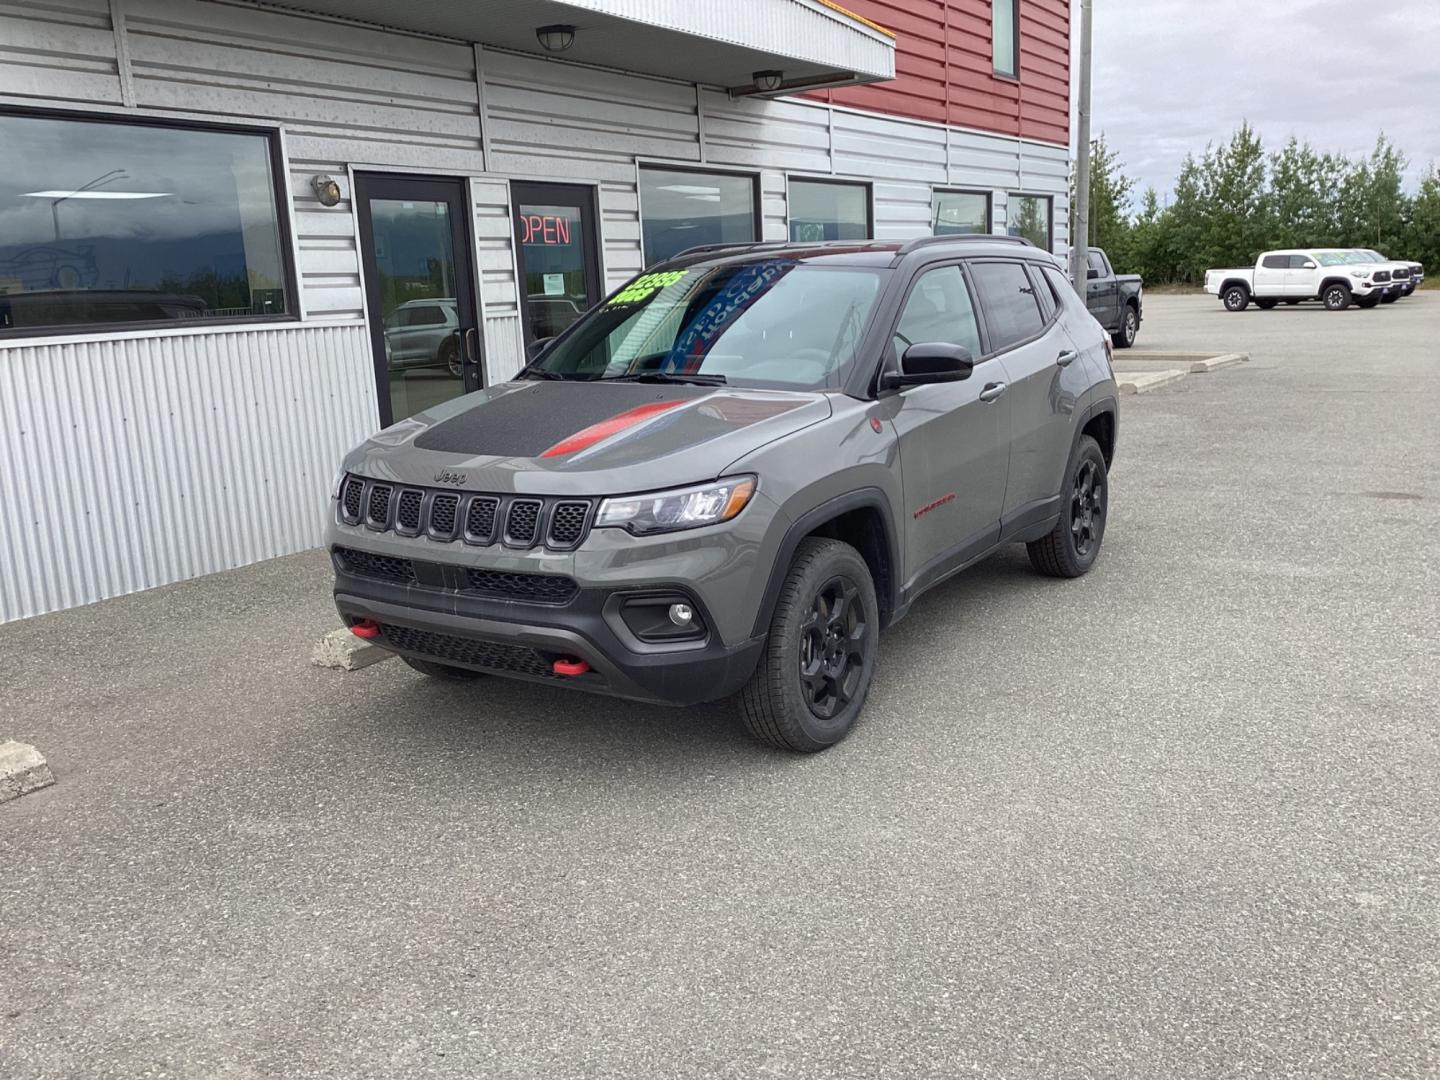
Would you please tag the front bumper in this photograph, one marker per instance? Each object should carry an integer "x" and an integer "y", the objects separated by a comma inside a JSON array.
[{"x": 523, "y": 640}]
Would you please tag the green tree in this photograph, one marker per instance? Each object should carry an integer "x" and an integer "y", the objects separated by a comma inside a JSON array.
[
  {"x": 1372, "y": 207},
  {"x": 1109, "y": 199},
  {"x": 1304, "y": 189},
  {"x": 1422, "y": 239}
]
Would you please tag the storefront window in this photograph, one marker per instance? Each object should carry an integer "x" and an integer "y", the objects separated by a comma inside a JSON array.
[
  {"x": 961, "y": 213},
  {"x": 681, "y": 209},
  {"x": 829, "y": 210},
  {"x": 110, "y": 223},
  {"x": 1029, "y": 216}
]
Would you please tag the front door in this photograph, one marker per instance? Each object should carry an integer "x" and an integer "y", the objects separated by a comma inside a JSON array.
[
  {"x": 954, "y": 437},
  {"x": 419, "y": 282},
  {"x": 559, "y": 260}
]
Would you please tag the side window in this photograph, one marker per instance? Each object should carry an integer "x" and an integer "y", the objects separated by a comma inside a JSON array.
[
  {"x": 938, "y": 309},
  {"x": 1011, "y": 311},
  {"x": 1297, "y": 262},
  {"x": 1276, "y": 262},
  {"x": 429, "y": 315},
  {"x": 1044, "y": 292},
  {"x": 1097, "y": 261}
]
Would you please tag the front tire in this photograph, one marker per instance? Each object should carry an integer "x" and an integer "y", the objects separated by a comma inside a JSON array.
[
  {"x": 1389, "y": 298},
  {"x": 1236, "y": 298},
  {"x": 1336, "y": 297},
  {"x": 810, "y": 684},
  {"x": 1129, "y": 328},
  {"x": 1072, "y": 547}
]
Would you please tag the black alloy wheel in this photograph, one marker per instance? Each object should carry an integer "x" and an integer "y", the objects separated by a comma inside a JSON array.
[
  {"x": 1129, "y": 328},
  {"x": 1237, "y": 298},
  {"x": 832, "y": 647},
  {"x": 1337, "y": 297},
  {"x": 1087, "y": 508}
]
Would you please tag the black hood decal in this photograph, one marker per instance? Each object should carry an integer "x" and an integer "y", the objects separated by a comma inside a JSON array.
[{"x": 529, "y": 421}]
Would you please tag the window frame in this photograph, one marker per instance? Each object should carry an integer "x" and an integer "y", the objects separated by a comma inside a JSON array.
[
  {"x": 998, "y": 72},
  {"x": 1049, "y": 200},
  {"x": 988, "y": 196},
  {"x": 757, "y": 219},
  {"x": 991, "y": 352},
  {"x": 279, "y": 190},
  {"x": 833, "y": 181}
]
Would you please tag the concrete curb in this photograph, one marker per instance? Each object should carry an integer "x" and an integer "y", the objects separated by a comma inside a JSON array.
[
  {"x": 343, "y": 650},
  {"x": 1142, "y": 382},
  {"x": 1214, "y": 363},
  {"x": 22, "y": 770}
]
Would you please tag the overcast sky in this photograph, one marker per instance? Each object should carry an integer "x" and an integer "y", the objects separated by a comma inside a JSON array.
[{"x": 1170, "y": 75}]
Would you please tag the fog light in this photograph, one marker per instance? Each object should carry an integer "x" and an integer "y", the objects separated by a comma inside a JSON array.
[{"x": 682, "y": 614}]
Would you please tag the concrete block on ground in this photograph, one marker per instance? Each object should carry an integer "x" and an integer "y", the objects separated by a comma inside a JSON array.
[
  {"x": 342, "y": 649},
  {"x": 1142, "y": 382},
  {"x": 1213, "y": 363},
  {"x": 22, "y": 770}
]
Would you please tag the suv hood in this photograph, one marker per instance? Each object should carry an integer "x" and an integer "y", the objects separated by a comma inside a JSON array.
[{"x": 584, "y": 438}]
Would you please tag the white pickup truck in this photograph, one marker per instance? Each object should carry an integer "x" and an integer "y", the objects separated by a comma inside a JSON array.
[{"x": 1329, "y": 275}]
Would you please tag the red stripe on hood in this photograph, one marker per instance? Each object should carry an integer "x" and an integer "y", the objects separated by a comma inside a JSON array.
[{"x": 589, "y": 436}]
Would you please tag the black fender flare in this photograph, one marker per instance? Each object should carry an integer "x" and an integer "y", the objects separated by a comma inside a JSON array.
[{"x": 808, "y": 522}]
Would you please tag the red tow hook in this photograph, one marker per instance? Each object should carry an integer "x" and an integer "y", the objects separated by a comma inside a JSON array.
[
  {"x": 366, "y": 628},
  {"x": 566, "y": 666}
]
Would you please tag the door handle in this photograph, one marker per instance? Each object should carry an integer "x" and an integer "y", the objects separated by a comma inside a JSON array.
[
  {"x": 471, "y": 351},
  {"x": 1066, "y": 357},
  {"x": 993, "y": 391}
]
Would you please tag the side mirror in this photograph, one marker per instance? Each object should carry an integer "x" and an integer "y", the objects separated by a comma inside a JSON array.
[
  {"x": 931, "y": 362},
  {"x": 536, "y": 347},
  {"x": 1092, "y": 273},
  {"x": 1307, "y": 265}
]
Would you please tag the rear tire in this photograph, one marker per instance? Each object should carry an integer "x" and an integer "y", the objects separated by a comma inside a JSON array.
[
  {"x": 1129, "y": 328},
  {"x": 1266, "y": 305},
  {"x": 810, "y": 684},
  {"x": 442, "y": 671},
  {"x": 1336, "y": 297},
  {"x": 1072, "y": 547},
  {"x": 1236, "y": 298}
]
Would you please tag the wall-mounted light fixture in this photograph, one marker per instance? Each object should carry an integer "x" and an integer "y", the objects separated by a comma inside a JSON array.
[
  {"x": 326, "y": 189},
  {"x": 556, "y": 38},
  {"x": 767, "y": 82}
]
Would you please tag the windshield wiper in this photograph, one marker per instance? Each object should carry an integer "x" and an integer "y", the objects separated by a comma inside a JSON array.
[
  {"x": 697, "y": 378},
  {"x": 539, "y": 373}
]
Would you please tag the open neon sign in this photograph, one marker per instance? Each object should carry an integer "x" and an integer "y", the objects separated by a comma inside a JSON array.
[{"x": 548, "y": 229}]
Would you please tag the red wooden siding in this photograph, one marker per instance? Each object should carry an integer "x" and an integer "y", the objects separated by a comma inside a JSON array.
[{"x": 958, "y": 85}]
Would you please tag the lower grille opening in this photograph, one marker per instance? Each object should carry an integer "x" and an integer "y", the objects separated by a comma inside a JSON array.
[
  {"x": 494, "y": 655},
  {"x": 384, "y": 567},
  {"x": 532, "y": 588}
]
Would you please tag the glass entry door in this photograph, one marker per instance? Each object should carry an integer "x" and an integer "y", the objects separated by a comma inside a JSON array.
[
  {"x": 559, "y": 265},
  {"x": 419, "y": 282}
]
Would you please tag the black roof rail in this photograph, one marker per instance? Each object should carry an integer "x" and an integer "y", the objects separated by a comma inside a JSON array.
[
  {"x": 992, "y": 238},
  {"x": 732, "y": 245}
]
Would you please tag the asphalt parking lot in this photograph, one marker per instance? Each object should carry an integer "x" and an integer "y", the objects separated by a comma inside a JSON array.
[{"x": 1179, "y": 818}]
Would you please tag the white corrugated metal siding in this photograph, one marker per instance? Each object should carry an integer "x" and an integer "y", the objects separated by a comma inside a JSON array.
[{"x": 130, "y": 463}]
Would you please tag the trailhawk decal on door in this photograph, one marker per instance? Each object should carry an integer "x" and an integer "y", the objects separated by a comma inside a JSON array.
[{"x": 934, "y": 505}]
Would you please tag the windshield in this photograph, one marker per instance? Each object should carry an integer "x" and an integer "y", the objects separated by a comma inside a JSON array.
[
  {"x": 1334, "y": 258},
  {"x": 776, "y": 323}
]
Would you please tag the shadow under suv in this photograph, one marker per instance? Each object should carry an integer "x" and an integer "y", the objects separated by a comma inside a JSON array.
[{"x": 736, "y": 470}]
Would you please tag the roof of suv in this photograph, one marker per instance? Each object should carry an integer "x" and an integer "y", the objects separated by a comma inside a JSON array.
[{"x": 878, "y": 253}]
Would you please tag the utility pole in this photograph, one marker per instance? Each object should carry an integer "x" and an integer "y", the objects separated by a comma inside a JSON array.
[{"x": 1080, "y": 227}]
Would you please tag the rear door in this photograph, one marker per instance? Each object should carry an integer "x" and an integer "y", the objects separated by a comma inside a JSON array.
[
  {"x": 1272, "y": 276},
  {"x": 954, "y": 442},
  {"x": 1038, "y": 360}
]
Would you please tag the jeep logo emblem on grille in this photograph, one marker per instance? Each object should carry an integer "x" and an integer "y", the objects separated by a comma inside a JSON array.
[{"x": 445, "y": 476}]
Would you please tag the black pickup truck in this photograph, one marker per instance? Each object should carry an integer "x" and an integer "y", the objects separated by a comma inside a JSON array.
[{"x": 1114, "y": 299}]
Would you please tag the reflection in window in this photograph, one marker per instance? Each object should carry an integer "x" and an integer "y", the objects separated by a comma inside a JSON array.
[
  {"x": 680, "y": 209},
  {"x": 1029, "y": 216},
  {"x": 959, "y": 213},
  {"x": 1004, "y": 37},
  {"x": 824, "y": 210},
  {"x": 552, "y": 239},
  {"x": 110, "y": 222},
  {"x": 1008, "y": 299}
]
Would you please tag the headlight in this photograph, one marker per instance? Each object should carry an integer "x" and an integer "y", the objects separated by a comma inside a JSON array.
[
  {"x": 335, "y": 483},
  {"x": 683, "y": 508},
  {"x": 1357, "y": 273}
]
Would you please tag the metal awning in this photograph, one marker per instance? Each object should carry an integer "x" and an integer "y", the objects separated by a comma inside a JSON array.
[{"x": 812, "y": 43}]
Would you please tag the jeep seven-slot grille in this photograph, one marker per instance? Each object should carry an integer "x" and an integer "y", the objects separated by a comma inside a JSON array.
[
  {"x": 473, "y": 652},
  {"x": 516, "y": 521}
]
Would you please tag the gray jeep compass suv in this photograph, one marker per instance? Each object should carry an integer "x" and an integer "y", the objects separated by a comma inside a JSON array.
[{"x": 736, "y": 470}]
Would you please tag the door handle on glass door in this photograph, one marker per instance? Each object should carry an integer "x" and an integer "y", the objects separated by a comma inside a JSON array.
[
  {"x": 1066, "y": 357},
  {"x": 993, "y": 391},
  {"x": 472, "y": 345}
]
